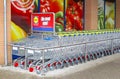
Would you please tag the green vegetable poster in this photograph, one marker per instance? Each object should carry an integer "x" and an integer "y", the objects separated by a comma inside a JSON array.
[
  {"x": 106, "y": 14},
  {"x": 100, "y": 14},
  {"x": 109, "y": 14}
]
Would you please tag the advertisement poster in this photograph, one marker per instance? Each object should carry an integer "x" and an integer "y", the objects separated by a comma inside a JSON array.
[
  {"x": 74, "y": 15},
  {"x": 101, "y": 14},
  {"x": 69, "y": 15},
  {"x": 110, "y": 14},
  {"x": 56, "y": 6},
  {"x": 106, "y": 14},
  {"x": 21, "y": 17}
]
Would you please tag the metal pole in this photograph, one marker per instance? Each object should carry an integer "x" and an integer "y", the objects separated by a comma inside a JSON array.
[
  {"x": 26, "y": 58},
  {"x": 5, "y": 33},
  {"x": 85, "y": 52},
  {"x": 43, "y": 61},
  {"x": 112, "y": 50}
]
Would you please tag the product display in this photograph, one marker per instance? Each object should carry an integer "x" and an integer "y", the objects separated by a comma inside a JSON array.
[{"x": 41, "y": 53}]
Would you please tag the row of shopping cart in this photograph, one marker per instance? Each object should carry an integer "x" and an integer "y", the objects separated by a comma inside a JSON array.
[
  {"x": 43, "y": 65},
  {"x": 42, "y": 53}
]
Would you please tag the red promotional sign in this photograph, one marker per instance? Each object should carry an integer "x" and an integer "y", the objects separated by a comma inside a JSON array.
[{"x": 43, "y": 22}]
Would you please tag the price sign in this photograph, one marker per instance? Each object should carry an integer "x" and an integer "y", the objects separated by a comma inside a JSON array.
[{"x": 43, "y": 22}]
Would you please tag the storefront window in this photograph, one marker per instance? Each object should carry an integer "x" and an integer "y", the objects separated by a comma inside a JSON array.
[
  {"x": 106, "y": 14},
  {"x": 74, "y": 15},
  {"x": 109, "y": 14},
  {"x": 69, "y": 15}
]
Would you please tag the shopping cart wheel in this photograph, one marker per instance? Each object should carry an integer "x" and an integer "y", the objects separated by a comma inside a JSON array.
[
  {"x": 88, "y": 57},
  {"x": 16, "y": 64},
  {"x": 59, "y": 65},
  {"x": 105, "y": 54},
  {"x": 48, "y": 67},
  {"x": 38, "y": 71},
  {"x": 95, "y": 55},
  {"x": 52, "y": 67},
  {"x": 91, "y": 57},
  {"x": 22, "y": 66},
  {"x": 70, "y": 62},
  {"x": 65, "y": 63},
  {"x": 83, "y": 58},
  {"x": 80, "y": 59},
  {"x": 75, "y": 61},
  {"x": 100, "y": 54},
  {"x": 110, "y": 52},
  {"x": 31, "y": 69},
  {"x": 119, "y": 49}
]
